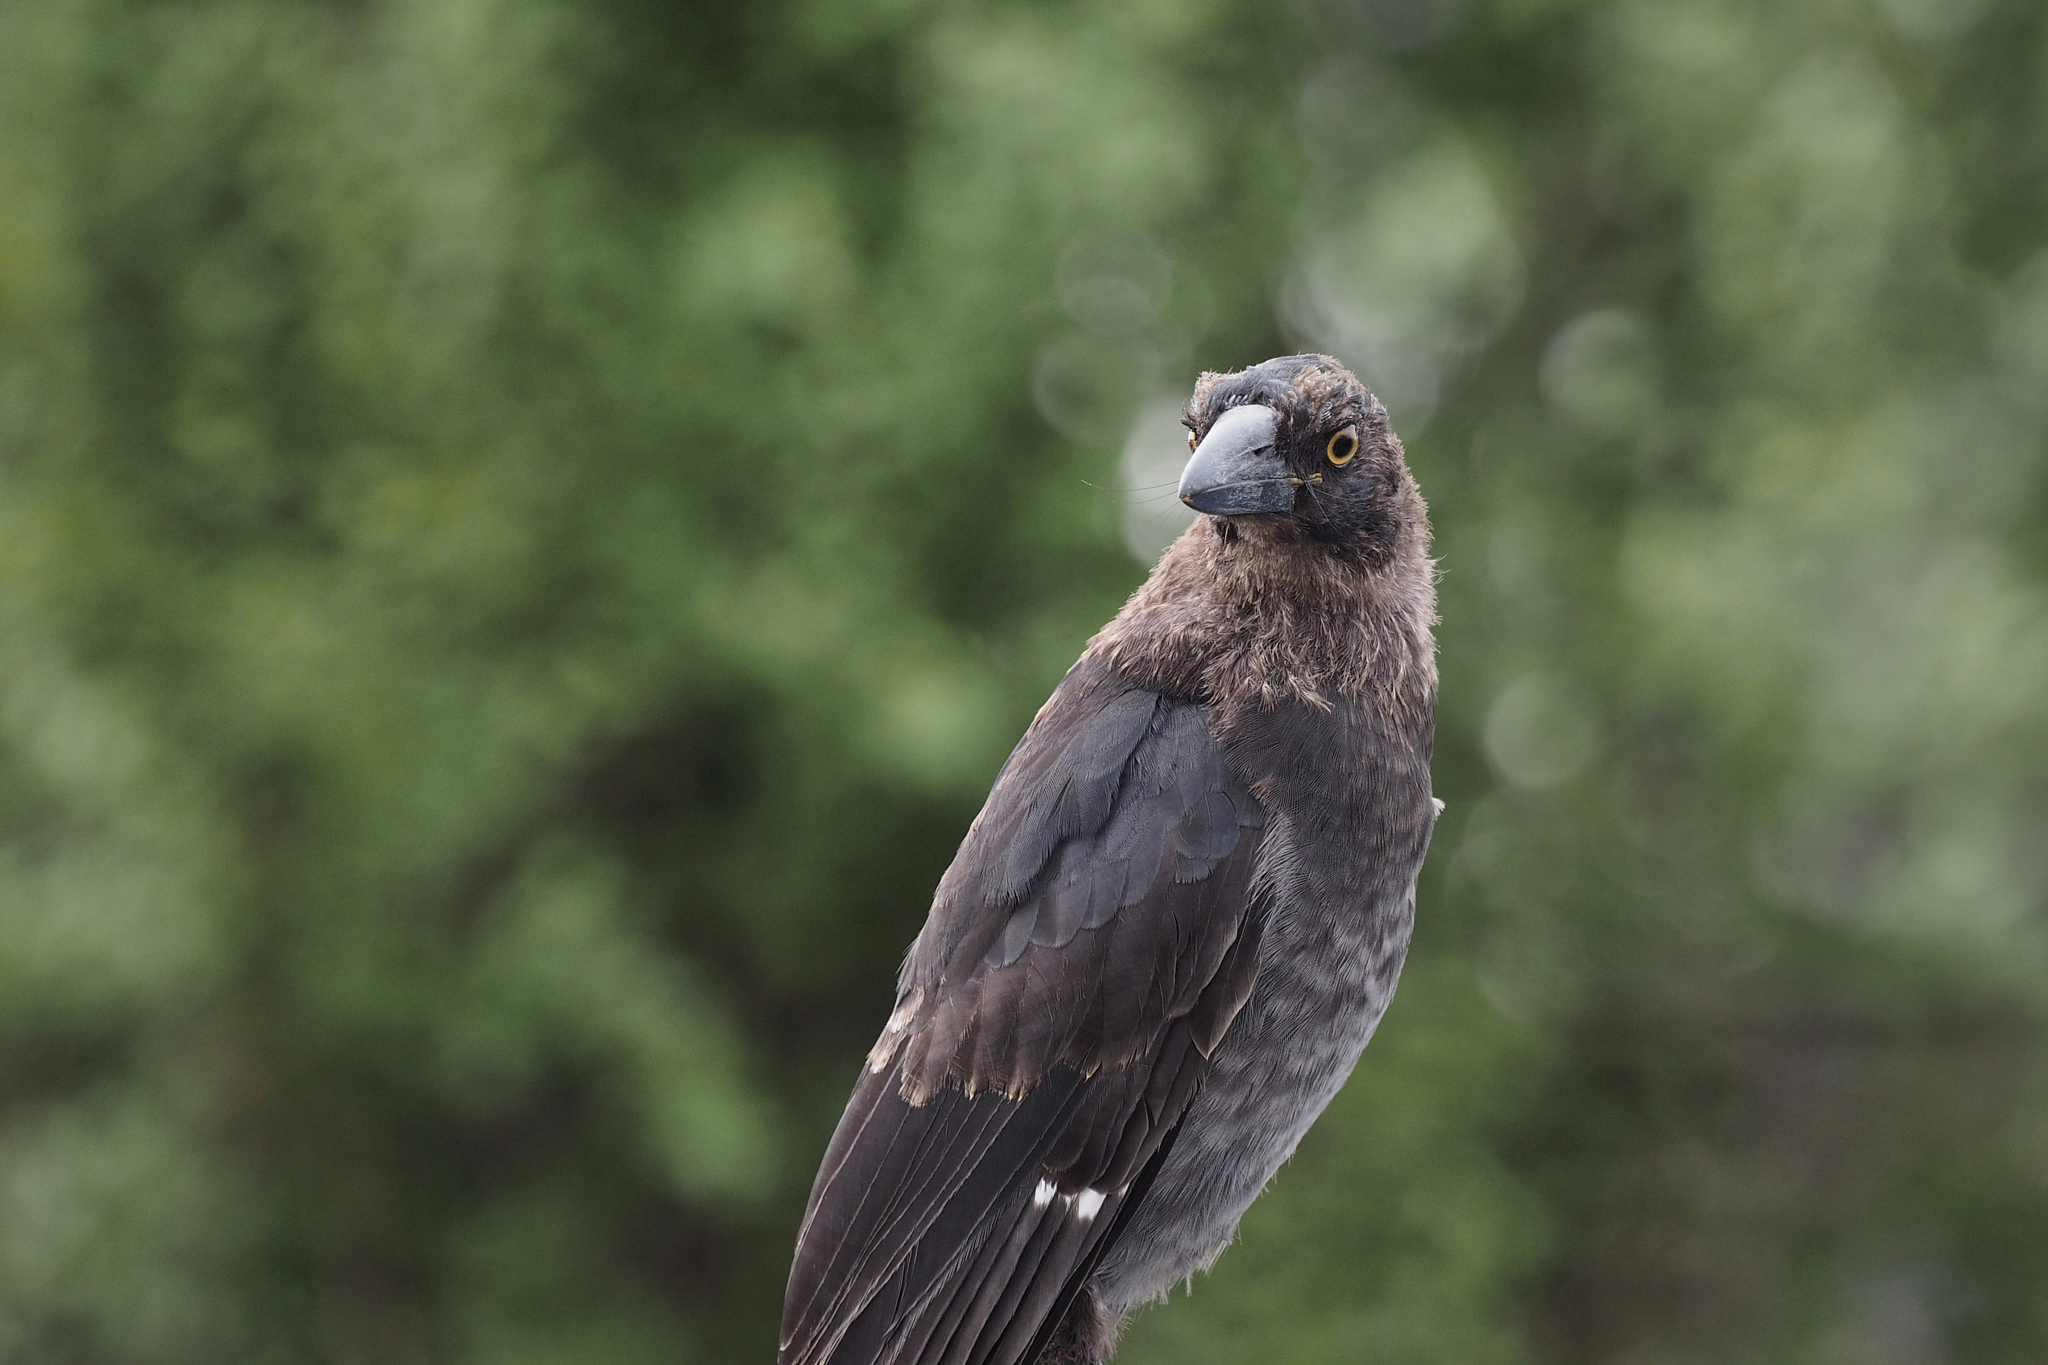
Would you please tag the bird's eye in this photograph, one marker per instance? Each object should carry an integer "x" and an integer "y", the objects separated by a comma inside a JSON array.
[{"x": 1343, "y": 446}]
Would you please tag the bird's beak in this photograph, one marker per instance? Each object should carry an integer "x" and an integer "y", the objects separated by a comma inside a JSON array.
[{"x": 1237, "y": 469}]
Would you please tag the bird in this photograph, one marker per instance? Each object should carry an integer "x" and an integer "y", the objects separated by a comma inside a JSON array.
[{"x": 1172, "y": 929}]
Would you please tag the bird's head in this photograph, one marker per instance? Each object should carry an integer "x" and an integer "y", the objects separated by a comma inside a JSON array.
[{"x": 1297, "y": 447}]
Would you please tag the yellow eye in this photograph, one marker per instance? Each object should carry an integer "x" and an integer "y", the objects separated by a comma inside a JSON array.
[{"x": 1343, "y": 446}]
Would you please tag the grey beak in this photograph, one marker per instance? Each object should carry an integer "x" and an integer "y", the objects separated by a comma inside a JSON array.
[{"x": 1237, "y": 469}]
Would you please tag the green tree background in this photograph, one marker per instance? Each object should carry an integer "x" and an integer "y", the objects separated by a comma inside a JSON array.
[{"x": 527, "y": 526}]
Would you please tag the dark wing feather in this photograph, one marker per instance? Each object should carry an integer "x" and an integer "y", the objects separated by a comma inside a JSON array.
[{"x": 1085, "y": 953}]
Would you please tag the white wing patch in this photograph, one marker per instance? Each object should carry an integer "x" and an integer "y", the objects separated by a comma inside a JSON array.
[{"x": 1082, "y": 1204}]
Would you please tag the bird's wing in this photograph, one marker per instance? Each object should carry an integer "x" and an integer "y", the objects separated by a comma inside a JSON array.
[{"x": 1086, "y": 952}]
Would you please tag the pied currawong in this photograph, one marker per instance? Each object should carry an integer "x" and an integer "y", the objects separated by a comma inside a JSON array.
[{"x": 1170, "y": 932}]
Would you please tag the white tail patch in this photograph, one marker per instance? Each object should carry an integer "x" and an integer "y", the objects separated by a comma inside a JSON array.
[
  {"x": 1088, "y": 1203},
  {"x": 1042, "y": 1196}
]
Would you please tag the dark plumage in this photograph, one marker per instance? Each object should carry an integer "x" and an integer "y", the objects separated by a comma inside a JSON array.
[{"x": 1171, "y": 930}]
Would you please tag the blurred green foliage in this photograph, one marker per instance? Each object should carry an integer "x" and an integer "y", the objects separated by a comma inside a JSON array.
[{"x": 526, "y": 527}]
